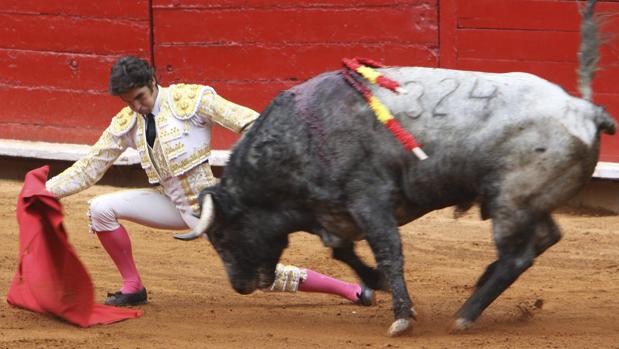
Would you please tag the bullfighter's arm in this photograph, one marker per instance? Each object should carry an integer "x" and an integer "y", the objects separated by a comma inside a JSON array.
[
  {"x": 88, "y": 170},
  {"x": 230, "y": 115}
]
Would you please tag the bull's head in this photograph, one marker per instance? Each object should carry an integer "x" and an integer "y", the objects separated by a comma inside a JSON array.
[{"x": 248, "y": 255}]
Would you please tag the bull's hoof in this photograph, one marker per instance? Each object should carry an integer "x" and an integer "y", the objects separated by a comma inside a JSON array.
[
  {"x": 460, "y": 325},
  {"x": 366, "y": 297},
  {"x": 399, "y": 327}
]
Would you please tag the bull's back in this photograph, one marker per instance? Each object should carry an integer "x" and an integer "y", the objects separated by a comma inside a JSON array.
[
  {"x": 480, "y": 130},
  {"x": 488, "y": 134},
  {"x": 442, "y": 104},
  {"x": 476, "y": 127}
]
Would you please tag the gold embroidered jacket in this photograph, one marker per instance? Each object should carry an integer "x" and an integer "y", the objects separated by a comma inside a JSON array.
[{"x": 183, "y": 138}]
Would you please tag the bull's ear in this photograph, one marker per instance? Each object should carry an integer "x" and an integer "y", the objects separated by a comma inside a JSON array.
[
  {"x": 206, "y": 219},
  {"x": 225, "y": 204}
]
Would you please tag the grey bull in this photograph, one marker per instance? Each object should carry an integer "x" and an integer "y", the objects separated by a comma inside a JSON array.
[{"x": 318, "y": 160}]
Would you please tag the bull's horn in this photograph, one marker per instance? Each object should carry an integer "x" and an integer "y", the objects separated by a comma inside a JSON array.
[
  {"x": 206, "y": 218},
  {"x": 192, "y": 235}
]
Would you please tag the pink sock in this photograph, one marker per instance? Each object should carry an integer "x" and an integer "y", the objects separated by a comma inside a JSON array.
[
  {"x": 118, "y": 246},
  {"x": 317, "y": 282}
]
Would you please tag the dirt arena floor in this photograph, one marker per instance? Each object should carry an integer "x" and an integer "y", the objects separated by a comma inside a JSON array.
[{"x": 569, "y": 299}]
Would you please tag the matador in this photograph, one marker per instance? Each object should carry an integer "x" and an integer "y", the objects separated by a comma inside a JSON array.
[{"x": 170, "y": 127}]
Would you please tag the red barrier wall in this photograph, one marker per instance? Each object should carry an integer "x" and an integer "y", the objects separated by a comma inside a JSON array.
[
  {"x": 534, "y": 36},
  {"x": 250, "y": 50},
  {"x": 55, "y": 57},
  {"x": 54, "y": 64}
]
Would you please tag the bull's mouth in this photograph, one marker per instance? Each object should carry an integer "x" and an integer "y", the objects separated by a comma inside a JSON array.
[
  {"x": 242, "y": 281},
  {"x": 248, "y": 280},
  {"x": 263, "y": 278},
  {"x": 244, "y": 287}
]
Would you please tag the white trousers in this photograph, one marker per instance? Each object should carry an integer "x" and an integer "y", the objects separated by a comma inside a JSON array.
[
  {"x": 162, "y": 208},
  {"x": 167, "y": 208}
]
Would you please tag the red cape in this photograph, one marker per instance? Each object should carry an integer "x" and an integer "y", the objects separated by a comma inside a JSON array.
[{"x": 50, "y": 278}]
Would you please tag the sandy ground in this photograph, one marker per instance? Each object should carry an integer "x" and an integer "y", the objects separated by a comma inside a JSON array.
[{"x": 569, "y": 299}]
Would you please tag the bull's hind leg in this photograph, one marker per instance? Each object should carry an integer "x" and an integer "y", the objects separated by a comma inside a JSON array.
[
  {"x": 516, "y": 252},
  {"x": 371, "y": 277},
  {"x": 379, "y": 227},
  {"x": 546, "y": 234},
  {"x": 519, "y": 240}
]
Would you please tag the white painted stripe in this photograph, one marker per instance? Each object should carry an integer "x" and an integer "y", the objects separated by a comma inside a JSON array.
[
  {"x": 73, "y": 152},
  {"x": 608, "y": 170}
]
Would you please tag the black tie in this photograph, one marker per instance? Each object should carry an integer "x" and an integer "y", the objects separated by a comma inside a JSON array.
[{"x": 151, "y": 129}]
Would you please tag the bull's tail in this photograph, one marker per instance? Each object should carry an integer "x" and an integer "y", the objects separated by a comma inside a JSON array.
[
  {"x": 605, "y": 122},
  {"x": 588, "y": 58},
  {"x": 588, "y": 53}
]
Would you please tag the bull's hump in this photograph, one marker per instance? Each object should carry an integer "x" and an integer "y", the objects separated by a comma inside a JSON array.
[{"x": 312, "y": 85}]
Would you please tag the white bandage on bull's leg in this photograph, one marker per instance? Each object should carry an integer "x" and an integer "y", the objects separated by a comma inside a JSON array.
[{"x": 287, "y": 278}]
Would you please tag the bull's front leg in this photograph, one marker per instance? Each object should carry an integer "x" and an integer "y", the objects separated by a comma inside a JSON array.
[
  {"x": 371, "y": 277},
  {"x": 380, "y": 229},
  {"x": 388, "y": 254}
]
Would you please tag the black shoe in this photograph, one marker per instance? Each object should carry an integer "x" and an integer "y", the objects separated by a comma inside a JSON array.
[
  {"x": 365, "y": 297},
  {"x": 120, "y": 299}
]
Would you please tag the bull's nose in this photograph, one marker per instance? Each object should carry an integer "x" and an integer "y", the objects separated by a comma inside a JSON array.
[
  {"x": 244, "y": 287},
  {"x": 243, "y": 291}
]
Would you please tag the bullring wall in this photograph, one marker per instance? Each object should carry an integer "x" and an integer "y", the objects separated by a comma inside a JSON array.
[{"x": 55, "y": 56}]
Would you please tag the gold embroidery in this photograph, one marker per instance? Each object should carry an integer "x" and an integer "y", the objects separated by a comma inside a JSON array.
[
  {"x": 185, "y": 99},
  {"x": 123, "y": 122},
  {"x": 90, "y": 168},
  {"x": 194, "y": 181},
  {"x": 179, "y": 145},
  {"x": 170, "y": 152},
  {"x": 169, "y": 134},
  {"x": 174, "y": 150},
  {"x": 180, "y": 167},
  {"x": 152, "y": 175},
  {"x": 190, "y": 194},
  {"x": 225, "y": 113},
  {"x": 159, "y": 160},
  {"x": 140, "y": 143}
]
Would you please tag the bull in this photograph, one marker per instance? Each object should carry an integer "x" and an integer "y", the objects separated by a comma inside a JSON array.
[{"x": 317, "y": 160}]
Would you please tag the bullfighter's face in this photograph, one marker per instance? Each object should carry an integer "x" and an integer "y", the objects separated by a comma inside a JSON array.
[{"x": 141, "y": 99}]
